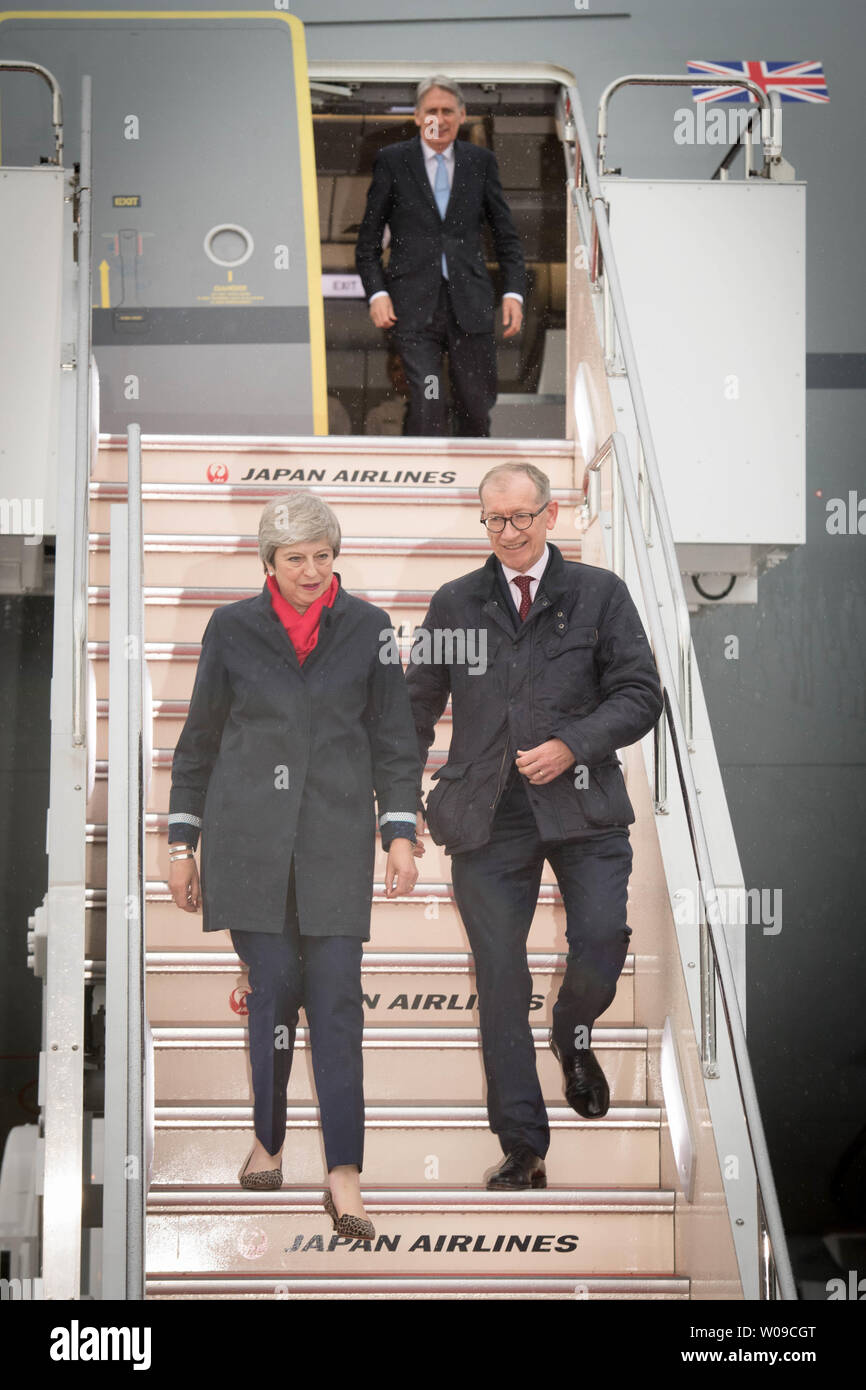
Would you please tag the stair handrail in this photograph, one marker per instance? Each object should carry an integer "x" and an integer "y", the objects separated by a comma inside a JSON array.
[
  {"x": 775, "y": 1251},
  {"x": 772, "y": 1253},
  {"x": 126, "y": 1063},
  {"x": 771, "y": 130},
  {"x": 16, "y": 65},
  {"x": 83, "y": 422},
  {"x": 58, "y": 934},
  {"x": 135, "y": 829},
  {"x": 745, "y": 139}
]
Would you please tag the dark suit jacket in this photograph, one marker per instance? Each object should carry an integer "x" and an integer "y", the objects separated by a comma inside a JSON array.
[{"x": 400, "y": 195}]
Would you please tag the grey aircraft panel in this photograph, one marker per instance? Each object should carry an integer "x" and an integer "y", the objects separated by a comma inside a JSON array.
[{"x": 195, "y": 128}]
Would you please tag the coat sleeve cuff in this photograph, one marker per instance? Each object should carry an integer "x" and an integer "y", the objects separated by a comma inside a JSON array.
[
  {"x": 584, "y": 742},
  {"x": 397, "y": 825},
  {"x": 183, "y": 827}
]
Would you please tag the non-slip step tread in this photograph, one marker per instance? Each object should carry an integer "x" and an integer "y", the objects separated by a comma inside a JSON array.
[
  {"x": 292, "y": 445},
  {"x": 174, "y": 1197},
  {"x": 381, "y": 962},
  {"x": 253, "y": 490},
  {"x": 647, "y": 1286},
  {"x": 232, "y": 1114},
  {"x": 216, "y": 1035},
  {"x": 349, "y": 545}
]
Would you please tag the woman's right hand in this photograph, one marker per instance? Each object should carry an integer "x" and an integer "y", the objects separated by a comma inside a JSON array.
[{"x": 183, "y": 884}]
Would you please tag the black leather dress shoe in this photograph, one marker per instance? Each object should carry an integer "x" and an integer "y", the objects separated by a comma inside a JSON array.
[
  {"x": 521, "y": 1168},
  {"x": 586, "y": 1088}
]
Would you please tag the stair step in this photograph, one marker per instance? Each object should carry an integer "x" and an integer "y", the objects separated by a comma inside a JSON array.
[
  {"x": 428, "y": 1144},
  {"x": 364, "y": 561},
  {"x": 435, "y": 1286},
  {"x": 425, "y": 919},
  {"x": 297, "y": 462},
  {"x": 209, "y": 987},
  {"x": 435, "y": 865},
  {"x": 179, "y": 614},
  {"x": 569, "y": 1232},
  {"x": 205, "y": 1065},
  {"x": 219, "y": 509}
]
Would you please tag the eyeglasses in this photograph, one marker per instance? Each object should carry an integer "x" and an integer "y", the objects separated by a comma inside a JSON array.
[{"x": 521, "y": 521}]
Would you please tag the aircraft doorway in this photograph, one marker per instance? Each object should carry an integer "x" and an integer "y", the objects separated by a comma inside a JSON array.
[{"x": 352, "y": 121}]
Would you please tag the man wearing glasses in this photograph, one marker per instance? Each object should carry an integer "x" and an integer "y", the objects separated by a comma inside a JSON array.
[{"x": 533, "y": 775}]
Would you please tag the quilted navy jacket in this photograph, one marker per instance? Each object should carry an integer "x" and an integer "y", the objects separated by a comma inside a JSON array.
[{"x": 579, "y": 668}]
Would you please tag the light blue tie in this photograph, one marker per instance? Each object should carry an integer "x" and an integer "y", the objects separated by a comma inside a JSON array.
[{"x": 441, "y": 193}]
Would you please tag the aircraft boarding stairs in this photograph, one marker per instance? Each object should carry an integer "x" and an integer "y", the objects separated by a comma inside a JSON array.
[
  {"x": 670, "y": 1195},
  {"x": 607, "y": 1225}
]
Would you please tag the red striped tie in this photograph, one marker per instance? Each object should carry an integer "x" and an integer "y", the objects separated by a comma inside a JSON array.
[{"x": 523, "y": 581}]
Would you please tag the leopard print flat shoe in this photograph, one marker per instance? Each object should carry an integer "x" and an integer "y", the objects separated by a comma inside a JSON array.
[
  {"x": 268, "y": 1180},
  {"x": 352, "y": 1227}
]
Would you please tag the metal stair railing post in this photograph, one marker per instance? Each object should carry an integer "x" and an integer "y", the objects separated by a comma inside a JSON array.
[
  {"x": 135, "y": 826},
  {"x": 84, "y": 404},
  {"x": 125, "y": 1080},
  {"x": 745, "y": 138},
  {"x": 115, "y": 1148},
  {"x": 62, "y": 964}
]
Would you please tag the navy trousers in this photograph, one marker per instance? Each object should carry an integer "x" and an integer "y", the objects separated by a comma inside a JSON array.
[
  {"x": 472, "y": 369},
  {"x": 322, "y": 973},
  {"x": 496, "y": 890}
]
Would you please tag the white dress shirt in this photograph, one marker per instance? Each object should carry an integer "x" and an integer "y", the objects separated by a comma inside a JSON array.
[
  {"x": 431, "y": 166},
  {"x": 430, "y": 162},
  {"x": 535, "y": 572}
]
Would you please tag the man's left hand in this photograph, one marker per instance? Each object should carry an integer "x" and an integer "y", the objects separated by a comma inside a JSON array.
[
  {"x": 512, "y": 316},
  {"x": 542, "y": 764}
]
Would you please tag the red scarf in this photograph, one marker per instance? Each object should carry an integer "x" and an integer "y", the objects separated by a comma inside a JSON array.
[{"x": 303, "y": 628}]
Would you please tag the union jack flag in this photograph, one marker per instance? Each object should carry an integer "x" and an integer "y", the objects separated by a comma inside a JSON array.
[{"x": 793, "y": 81}]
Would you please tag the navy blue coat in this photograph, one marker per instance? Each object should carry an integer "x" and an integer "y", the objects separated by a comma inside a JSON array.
[{"x": 277, "y": 760}]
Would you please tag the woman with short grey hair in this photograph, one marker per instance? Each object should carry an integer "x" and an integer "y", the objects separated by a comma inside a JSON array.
[
  {"x": 299, "y": 718},
  {"x": 299, "y": 517}
]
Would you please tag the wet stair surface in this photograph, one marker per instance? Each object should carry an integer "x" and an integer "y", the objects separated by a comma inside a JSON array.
[{"x": 604, "y": 1227}]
